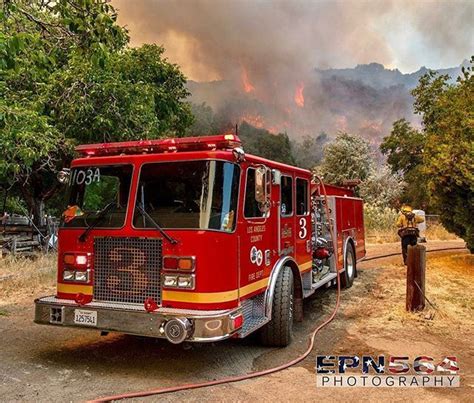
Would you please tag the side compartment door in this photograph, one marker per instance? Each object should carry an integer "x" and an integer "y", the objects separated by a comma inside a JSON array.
[
  {"x": 359, "y": 224},
  {"x": 303, "y": 224}
]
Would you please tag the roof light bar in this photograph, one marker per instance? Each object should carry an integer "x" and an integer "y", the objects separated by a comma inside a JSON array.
[{"x": 220, "y": 142}]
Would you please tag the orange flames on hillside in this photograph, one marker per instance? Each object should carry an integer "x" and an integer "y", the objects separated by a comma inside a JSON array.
[
  {"x": 260, "y": 122},
  {"x": 299, "y": 97},
  {"x": 264, "y": 110},
  {"x": 247, "y": 85},
  {"x": 254, "y": 120}
]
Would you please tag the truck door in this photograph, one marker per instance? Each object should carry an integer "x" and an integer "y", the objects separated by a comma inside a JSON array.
[
  {"x": 258, "y": 228},
  {"x": 287, "y": 215}
]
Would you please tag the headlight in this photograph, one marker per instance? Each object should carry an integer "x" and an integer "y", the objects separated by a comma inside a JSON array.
[
  {"x": 178, "y": 281},
  {"x": 82, "y": 276},
  {"x": 68, "y": 275},
  {"x": 185, "y": 282},
  {"x": 170, "y": 281}
]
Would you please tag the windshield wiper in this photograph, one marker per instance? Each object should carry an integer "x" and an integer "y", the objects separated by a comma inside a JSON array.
[
  {"x": 99, "y": 218},
  {"x": 156, "y": 225}
]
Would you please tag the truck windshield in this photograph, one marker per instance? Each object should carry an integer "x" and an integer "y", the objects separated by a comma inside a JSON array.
[
  {"x": 188, "y": 194},
  {"x": 98, "y": 196}
]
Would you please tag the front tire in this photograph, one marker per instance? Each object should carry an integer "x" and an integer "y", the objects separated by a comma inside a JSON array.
[
  {"x": 279, "y": 331},
  {"x": 347, "y": 278}
]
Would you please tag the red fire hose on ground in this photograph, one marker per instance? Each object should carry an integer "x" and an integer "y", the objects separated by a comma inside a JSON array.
[
  {"x": 367, "y": 259},
  {"x": 238, "y": 378}
]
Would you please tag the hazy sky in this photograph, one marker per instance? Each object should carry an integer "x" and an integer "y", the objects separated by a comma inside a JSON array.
[{"x": 215, "y": 39}]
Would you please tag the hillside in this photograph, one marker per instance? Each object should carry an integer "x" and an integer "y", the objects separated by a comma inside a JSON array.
[
  {"x": 365, "y": 100},
  {"x": 377, "y": 76}
]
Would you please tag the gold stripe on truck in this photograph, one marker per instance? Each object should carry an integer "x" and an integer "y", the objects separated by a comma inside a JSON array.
[
  {"x": 306, "y": 265},
  {"x": 225, "y": 296},
  {"x": 210, "y": 297},
  {"x": 75, "y": 288}
]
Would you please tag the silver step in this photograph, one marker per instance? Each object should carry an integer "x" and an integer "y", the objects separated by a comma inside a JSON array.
[
  {"x": 326, "y": 279},
  {"x": 253, "y": 310}
]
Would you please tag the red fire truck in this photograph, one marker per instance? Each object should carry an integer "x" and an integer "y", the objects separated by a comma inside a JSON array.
[{"x": 191, "y": 239}]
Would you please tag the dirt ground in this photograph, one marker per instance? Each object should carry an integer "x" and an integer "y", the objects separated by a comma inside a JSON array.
[{"x": 42, "y": 363}]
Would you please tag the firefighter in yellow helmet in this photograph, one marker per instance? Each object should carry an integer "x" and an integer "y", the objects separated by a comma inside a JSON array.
[{"x": 407, "y": 228}]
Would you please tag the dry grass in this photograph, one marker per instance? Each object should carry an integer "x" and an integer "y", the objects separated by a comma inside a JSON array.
[
  {"x": 449, "y": 287},
  {"x": 377, "y": 236},
  {"x": 434, "y": 232},
  {"x": 438, "y": 232},
  {"x": 25, "y": 277}
]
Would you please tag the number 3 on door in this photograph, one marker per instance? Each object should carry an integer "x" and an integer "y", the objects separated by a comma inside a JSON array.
[{"x": 303, "y": 231}]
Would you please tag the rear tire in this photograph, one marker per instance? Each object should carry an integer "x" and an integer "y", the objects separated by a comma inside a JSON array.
[
  {"x": 279, "y": 331},
  {"x": 347, "y": 277}
]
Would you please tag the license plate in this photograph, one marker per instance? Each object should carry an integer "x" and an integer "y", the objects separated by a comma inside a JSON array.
[{"x": 85, "y": 318}]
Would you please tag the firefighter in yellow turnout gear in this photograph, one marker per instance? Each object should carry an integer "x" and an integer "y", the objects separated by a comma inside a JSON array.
[{"x": 407, "y": 229}]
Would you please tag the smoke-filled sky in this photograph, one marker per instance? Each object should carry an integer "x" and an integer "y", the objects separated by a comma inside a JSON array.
[{"x": 218, "y": 39}]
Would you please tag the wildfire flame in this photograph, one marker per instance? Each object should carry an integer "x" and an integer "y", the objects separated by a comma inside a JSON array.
[
  {"x": 274, "y": 120},
  {"x": 260, "y": 122},
  {"x": 299, "y": 97},
  {"x": 254, "y": 120},
  {"x": 248, "y": 87}
]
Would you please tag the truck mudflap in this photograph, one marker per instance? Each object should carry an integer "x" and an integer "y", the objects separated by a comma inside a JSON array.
[{"x": 175, "y": 325}]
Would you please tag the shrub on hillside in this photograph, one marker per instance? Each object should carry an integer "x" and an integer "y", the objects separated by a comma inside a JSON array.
[{"x": 377, "y": 218}]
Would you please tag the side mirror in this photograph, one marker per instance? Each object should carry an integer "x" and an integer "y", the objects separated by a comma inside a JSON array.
[
  {"x": 260, "y": 185},
  {"x": 263, "y": 188},
  {"x": 276, "y": 177},
  {"x": 63, "y": 175}
]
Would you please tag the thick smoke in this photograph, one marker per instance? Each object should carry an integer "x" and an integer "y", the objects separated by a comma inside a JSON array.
[
  {"x": 212, "y": 39},
  {"x": 266, "y": 51}
]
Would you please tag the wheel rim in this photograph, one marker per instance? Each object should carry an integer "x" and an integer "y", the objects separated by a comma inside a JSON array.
[{"x": 350, "y": 264}]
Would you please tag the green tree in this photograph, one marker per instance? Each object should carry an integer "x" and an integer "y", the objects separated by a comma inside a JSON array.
[
  {"x": 261, "y": 142},
  {"x": 257, "y": 141},
  {"x": 382, "y": 188},
  {"x": 448, "y": 158},
  {"x": 204, "y": 121},
  {"x": 404, "y": 150},
  {"x": 348, "y": 157},
  {"x": 135, "y": 95},
  {"x": 68, "y": 77},
  {"x": 309, "y": 151}
]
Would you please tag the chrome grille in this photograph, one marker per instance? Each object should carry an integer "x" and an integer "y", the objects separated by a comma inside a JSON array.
[{"x": 127, "y": 269}]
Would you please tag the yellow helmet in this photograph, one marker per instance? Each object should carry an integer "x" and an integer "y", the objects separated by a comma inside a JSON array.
[{"x": 406, "y": 208}]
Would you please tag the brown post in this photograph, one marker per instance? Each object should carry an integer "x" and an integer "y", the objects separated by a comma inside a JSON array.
[{"x": 416, "y": 266}]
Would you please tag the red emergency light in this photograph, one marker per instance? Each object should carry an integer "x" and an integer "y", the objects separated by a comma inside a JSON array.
[{"x": 220, "y": 142}]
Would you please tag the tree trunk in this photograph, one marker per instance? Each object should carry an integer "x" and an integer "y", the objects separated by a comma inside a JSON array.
[
  {"x": 36, "y": 190},
  {"x": 35, "y": 205}
]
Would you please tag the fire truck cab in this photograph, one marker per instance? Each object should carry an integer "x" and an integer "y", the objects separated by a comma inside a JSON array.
[{"x": 191, "y": 239}]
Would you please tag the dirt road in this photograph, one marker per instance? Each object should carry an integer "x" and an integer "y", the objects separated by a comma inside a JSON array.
[{"x": 57, "y": 364}]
